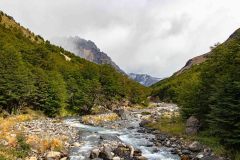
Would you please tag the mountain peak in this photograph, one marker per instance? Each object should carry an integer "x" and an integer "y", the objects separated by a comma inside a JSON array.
[
  {"x": 86, "y": 49},
  {"x": 144, "y": 79}
]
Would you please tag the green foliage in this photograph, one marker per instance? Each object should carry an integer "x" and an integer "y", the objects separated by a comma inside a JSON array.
[
  {"x": 222, "y": 71},
  {"x": 211, "y": 92},
  {"x": 35, "y": 73},
  {"x": 23, "y": 147},
  {"x": 16, "y": 84},
  {"x": 21, "y": 151},
  {"x": 211, "y": 141}
]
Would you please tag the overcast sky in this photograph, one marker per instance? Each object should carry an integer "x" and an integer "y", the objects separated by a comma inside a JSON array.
[{"x": 156, "y": 37}]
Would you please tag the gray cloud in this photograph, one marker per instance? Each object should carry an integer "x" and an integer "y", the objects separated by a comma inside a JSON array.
[{"x": 145, "y": 36}]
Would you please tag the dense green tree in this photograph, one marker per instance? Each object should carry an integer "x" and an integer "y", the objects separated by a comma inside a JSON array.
[
  {"x": 16, "y": 85},
  {"x": 211, "y": 92},
  {"x": 51, "y": 93},
  {"x": 36, "y": 73},
  {"x": 222, "y": 76}
]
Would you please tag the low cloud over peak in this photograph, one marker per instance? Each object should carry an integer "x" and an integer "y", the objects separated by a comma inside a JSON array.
[{"x": 144, "y": 36}]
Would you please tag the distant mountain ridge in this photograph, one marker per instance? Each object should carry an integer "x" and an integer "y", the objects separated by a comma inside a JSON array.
[
  {"x": 86, "y": 49},
  {"x": 144, "y": 79}
]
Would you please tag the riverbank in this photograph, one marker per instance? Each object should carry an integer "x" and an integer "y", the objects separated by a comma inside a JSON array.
[{"x": 34, "y": 137}]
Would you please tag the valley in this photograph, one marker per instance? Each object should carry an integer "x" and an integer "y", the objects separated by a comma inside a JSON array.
[{"x": 66, "y": 99}]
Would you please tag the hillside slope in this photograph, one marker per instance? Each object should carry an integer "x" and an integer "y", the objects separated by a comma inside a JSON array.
[
  {"x": 191, "y": 62},
  {"x": 34, "y": 73},
  {"x": 210, "y": 91}
]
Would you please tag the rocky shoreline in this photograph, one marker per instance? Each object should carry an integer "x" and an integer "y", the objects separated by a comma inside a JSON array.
[
  {"x": 49, "y": 139},
  {"x": 185, "y": 149}
]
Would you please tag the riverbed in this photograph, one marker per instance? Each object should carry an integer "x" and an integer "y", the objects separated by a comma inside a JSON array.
[{"x": 128, "y": 133}]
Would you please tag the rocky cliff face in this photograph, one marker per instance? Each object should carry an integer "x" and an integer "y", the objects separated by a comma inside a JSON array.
[
  {"x": 85, "y": 49},
  {"x": 144, "y": 79},
  {"x": 194, "y": 61}
]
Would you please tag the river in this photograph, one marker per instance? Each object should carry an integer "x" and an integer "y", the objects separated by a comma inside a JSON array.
[{"x": 90, "y": 137}]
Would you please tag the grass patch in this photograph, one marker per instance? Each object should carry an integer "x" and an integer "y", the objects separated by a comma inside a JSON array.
[
  {"x": 44, "y": 144},
  {"x": 176, "y": 127},
  {"x": 20, "y": 151},
  {"x": 16, "y": 142},
  {"x": 237, "y": 156},
  {"x": 173, "y": 125},
  {"x": 212, "y": 142}
]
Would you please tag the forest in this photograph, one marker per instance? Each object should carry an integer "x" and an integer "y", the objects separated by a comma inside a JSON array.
[{"x": 36, "y": 74}]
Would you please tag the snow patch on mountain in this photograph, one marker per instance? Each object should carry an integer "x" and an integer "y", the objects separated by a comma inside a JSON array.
[{"x": 144, "y": 79}]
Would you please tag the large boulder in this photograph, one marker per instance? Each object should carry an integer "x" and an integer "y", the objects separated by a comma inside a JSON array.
[
  {"x": 106, "y": 153},
  {"x": 192, "y": 125},
  {"x": 122, "y": 113},
  {"x": 94, "y": 153},
  {"x": 195, "y": 146},
  {"x": 123, "y": 152}
]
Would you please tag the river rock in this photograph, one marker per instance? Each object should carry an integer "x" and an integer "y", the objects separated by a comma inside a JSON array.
[
  {"x": 3, "y": 142},
  {"x": 140, "y": 158},
  {"x": 76, "y": 144},
  {"x": 195, "y": 146},
  {"x": 161, "y": 137},
  {"x": 186, "y": 152},
  {"x": 144, "y": 122},
  {"x": 200, "y": 155},
  {"x": 94, "y": 153},
  {"x": 137, "y": 152},
  {"x": 192, "y": 125},
  {"x": 123, "y": 152},
  {"x": 53, "y": 155},
  {"x": 122, "y": 113},
  {"x": 116, "y": 158},
  {"x": 106, "y": 153}
]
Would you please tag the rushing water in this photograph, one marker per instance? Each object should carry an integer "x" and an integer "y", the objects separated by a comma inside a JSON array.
[{"x": 90, "y": 137}]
